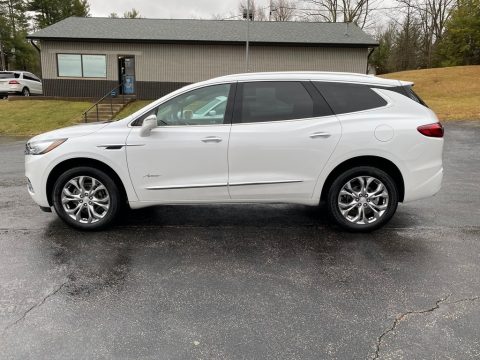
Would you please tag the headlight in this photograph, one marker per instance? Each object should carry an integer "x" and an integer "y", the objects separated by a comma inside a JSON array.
[{"x": 42, "y": 146}]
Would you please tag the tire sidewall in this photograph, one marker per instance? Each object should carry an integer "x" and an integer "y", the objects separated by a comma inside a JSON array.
[
  {"x": 342, "y": 179},
  {"x": 112, "y": 189},
  {"x": 26, "y": 92}
]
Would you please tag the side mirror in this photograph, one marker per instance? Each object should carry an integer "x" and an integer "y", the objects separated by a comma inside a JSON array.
[
  {"x": 212, "y": 113},
  {"x": 149, "y": 123}
]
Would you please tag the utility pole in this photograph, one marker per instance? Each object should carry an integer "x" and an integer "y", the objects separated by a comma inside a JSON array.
[{"x": 248, "y": 37}]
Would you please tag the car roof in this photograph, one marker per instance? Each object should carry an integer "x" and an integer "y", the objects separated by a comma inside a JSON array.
[{"x": 309, "y": 76}]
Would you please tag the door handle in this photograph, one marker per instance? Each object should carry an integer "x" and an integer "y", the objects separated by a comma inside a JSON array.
[
  {"x": 212, "y": 139},
  {"x": 319, "y": 134}
]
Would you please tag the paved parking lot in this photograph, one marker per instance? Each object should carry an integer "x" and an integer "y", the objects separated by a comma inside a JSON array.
[{"x": 244, "y": 281}]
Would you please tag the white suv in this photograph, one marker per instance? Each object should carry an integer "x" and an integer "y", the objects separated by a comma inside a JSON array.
[
  {"x": 20, "y": 83},
  {"x": 360, "y": 143}
]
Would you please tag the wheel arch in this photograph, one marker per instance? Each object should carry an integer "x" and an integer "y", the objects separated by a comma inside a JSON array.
[
  {"x": 376, "y": 161},
  {"x": 77, "y": 162}
]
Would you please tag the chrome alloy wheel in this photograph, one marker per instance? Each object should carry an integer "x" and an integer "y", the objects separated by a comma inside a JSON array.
[
  {"x": 363, "y": 200},
  {"x": 85, "y": 199}
]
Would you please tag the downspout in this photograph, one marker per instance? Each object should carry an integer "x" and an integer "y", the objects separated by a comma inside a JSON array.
[
  {"x": 39, "y": 53},
  {"x": 368, "y": 59},
  {"x": 35, "y": 46}
]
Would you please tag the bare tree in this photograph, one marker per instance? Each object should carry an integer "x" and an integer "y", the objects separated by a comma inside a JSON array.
[
  {"x": 255, "y": 13},
  {"x": 282, "y": 10},
  {"x": 355, "y": 11},
  {"x": 430, "y": 17}
]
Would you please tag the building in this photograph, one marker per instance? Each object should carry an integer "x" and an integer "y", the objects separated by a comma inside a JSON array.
[{"x": 87, "y": 57}]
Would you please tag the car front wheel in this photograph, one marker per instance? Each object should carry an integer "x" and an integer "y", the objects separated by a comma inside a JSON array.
[
  {"x": 86, "y": 198},
  {"x": 362, "y": 199}
]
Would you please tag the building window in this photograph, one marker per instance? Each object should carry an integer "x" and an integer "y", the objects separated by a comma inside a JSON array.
[{"x": 74, "y": 65}]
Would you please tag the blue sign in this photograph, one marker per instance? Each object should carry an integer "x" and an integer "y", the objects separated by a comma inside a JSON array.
[{"x": 128, "y": 84}]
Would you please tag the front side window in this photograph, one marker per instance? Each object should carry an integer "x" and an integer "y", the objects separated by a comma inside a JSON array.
[
  {"x": 75, "y": 65},
  {"x": 204, "y": 106},
  {"x": 275, "y": 101},
  {"x": 347, "y": 97}
]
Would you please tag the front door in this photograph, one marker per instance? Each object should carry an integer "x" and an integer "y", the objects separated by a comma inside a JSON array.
[
  {"x": 185, "y": 158},
  {"x": 282, "y": 136},
  {"x": 126, "y": 70}
]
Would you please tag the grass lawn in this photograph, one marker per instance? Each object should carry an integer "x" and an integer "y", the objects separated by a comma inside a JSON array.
[
  {"x": 453, "y": 92},
  {"x": 131, "y": 108},
  {"x": 31, "y": 117}
]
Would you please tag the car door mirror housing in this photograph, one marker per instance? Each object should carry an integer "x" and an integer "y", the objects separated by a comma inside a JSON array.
[
  {"x": 212, "y": 113},
  {"x": 149, "y": 123}
]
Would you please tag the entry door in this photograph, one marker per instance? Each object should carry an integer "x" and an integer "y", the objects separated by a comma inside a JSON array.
[
  {"x": 185, "y": 158},
  {"x": 282, "y": 136},
  {"x": 126, "y": 69}
]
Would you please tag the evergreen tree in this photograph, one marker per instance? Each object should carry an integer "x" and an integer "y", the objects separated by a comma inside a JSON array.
[
  {"x": 48, "y": 12},
  {"x": 461, "y": 43}
]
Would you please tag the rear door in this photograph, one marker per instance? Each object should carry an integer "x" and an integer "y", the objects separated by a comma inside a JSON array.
[{"x": 282, "y": 136}]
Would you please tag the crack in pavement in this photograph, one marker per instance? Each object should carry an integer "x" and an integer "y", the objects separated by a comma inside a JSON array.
[
  {"x": 400, "y": 318},
  {"x": 404, "y": 315},
  {"x": 33, "y": 307}
]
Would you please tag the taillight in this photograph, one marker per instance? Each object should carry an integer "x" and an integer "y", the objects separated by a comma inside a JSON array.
[
  {"x": 431, "y": 130},
  {"x": 13, "y": 82}
]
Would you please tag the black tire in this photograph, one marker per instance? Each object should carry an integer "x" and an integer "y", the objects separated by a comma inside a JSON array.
[
  {"x": 25, "y": 92},
  {"x": 112, "y": 191},
  {"x": 333, "y": 206}
]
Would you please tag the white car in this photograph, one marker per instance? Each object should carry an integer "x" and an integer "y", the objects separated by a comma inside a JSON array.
[
  {"x": 359, "y": 143},
  {"x": 20, "y": 83}
]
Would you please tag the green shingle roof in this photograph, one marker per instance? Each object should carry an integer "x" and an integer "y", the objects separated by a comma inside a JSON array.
[{"x": 221, "y": 31}]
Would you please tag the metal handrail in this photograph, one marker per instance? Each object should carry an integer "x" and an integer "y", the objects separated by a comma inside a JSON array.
[{"x": 85, "y": 114}]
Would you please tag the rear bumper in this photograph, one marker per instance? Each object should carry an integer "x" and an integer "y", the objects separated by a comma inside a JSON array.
[{"x": 428, "y": 186}]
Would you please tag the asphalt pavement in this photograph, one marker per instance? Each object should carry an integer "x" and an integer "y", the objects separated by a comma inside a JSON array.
[{"x": 245, "y": 281}]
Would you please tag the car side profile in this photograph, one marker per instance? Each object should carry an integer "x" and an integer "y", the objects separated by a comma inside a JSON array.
[
  {"x": 19, "y": 83},
  {"x": 359, "y": 143}
]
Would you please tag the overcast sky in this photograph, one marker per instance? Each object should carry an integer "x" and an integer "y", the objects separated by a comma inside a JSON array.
[
  {"x": 166, "y": 9},
  {"x": 206, "y": 9}
]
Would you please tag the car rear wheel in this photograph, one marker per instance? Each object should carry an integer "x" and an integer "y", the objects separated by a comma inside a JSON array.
[
  {"x": 86, "y": 198},
  {"x": 362, "y": 199},
  {"x": 25, "y": 92}
]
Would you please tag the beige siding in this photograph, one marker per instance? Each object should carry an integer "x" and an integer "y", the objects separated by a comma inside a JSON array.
[{"x": 191, "y": 63}]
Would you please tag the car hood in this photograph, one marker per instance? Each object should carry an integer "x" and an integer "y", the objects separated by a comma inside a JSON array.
[{"x": 71, "y": 131}]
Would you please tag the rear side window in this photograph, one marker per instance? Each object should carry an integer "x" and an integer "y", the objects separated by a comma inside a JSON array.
[
  {"x": 346, "y": 98},
  {"x": 30, "y": 77},
  {"x": 274, "y": 101}
]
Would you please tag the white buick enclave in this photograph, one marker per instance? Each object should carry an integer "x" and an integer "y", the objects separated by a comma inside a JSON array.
[{"x": 360, "y": 143}]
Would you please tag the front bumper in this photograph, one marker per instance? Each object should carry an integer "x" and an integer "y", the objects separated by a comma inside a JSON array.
[{"x": 35, "y": 166}]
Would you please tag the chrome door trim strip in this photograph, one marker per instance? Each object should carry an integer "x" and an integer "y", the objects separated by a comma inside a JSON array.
[
  {"x": 195, "y": 186},
  {"x": 265, "y": 182}
]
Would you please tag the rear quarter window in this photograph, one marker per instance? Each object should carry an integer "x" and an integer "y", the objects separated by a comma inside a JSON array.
[
  {"x": 413, "y": 95},
  {"x": 345, "y": 97}
]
